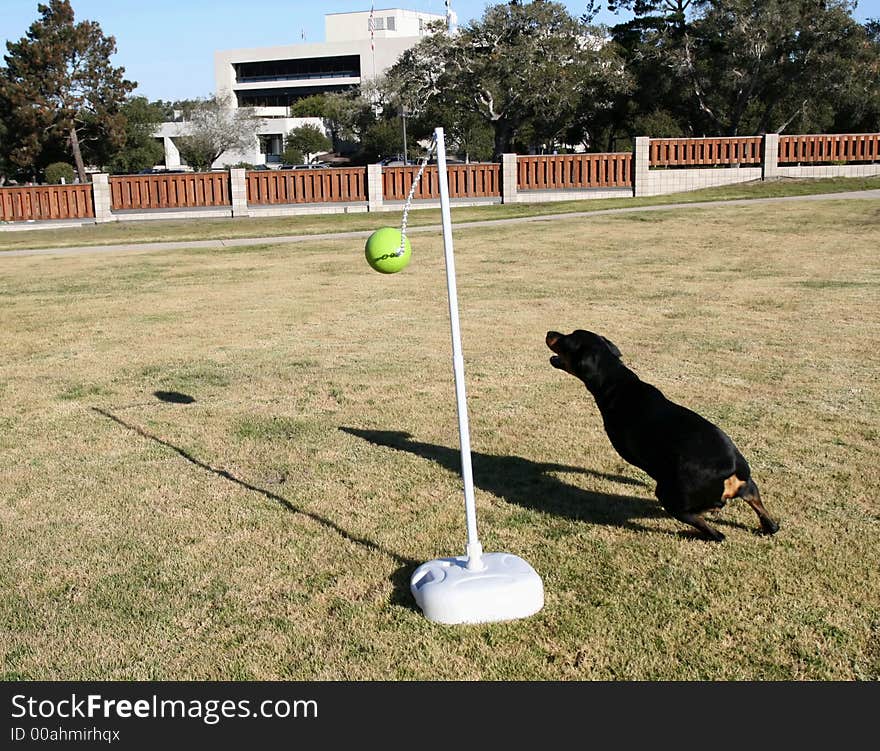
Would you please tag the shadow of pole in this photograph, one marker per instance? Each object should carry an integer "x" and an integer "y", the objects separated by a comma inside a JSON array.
[
  {"x": 527, "y": 483},
  {"x": 399, "y": 578}
]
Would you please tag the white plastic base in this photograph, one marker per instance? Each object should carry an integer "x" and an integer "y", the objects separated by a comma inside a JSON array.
[{"x": 506, "y": 588}]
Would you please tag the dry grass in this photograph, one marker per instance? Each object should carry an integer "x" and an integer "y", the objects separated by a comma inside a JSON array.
[{"x": 267, "y": 530}]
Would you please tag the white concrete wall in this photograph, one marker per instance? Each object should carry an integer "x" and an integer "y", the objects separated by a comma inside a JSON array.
[
  {"x": 344, "y": 27},
  {"x": 656, "y": 182},
  {"x": 238, "y": 191},
  {"x": 172, "y": 155},
  {"x": 205, "y": 212},
  {"x": 300, "y": 209},
  {"x": 102, "y": 198},
  {"x": 831, "y": 170},
  {"x": 542, "y": 196},
  {"x": 509, "y": 188},
  {"x": 770, "y": 156},
  {"x": 374, "y": 187}
]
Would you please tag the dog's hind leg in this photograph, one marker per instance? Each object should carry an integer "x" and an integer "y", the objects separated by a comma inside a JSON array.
[
  {"x": 671, "y": 501},
  {"x": 695, "y": 520},
  {"x": 749, "y": 493}
]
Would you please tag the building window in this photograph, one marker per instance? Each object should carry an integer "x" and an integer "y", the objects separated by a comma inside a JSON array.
[
  {"x": 379, "y": 24},
  {"x": 389, "y": 23},
  {"x": 298, "y": 69},
  {"x": 281, "y": 97},
  {"x": 271, "y": 145}
]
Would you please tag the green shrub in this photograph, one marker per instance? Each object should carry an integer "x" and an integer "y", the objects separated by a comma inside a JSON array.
[
  {"x": 292, "y": 155},
  {"x": 57, "y": 170},
  {"x": 308, "y": 139}
]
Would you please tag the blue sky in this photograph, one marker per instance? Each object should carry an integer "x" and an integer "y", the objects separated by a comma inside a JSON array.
[{"x": 168, "y": 46}]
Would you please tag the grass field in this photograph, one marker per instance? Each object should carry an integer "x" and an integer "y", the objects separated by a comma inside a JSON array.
[{"x": 268, "y": 528}]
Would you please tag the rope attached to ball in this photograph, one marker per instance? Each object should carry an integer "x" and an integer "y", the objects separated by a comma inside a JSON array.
[{"x": 412, "y": 191}]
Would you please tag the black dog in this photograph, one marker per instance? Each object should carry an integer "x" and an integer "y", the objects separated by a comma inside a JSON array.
[{"x": 695, "y": 464}]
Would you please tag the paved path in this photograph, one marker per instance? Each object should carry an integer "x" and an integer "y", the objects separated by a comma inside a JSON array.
[{"x": 244, "y": 241}]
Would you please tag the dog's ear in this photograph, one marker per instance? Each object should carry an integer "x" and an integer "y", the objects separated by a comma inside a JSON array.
[{"x": 612, "y": 346}]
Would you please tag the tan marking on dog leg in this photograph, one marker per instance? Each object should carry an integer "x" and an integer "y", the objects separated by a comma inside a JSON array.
[
  {"x": 731, "y": 487},
  {"x": 752, "y": 496}
]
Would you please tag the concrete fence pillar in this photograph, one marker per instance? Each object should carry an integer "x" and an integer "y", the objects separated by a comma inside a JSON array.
[
  {"x": 101, "y": 198},
  {"x": 374, "y": 187},
  {"x": 770, "y": 159},
  {"x": 641, "y": 165},
  {"x": 238, "y": 191},
  {"x": 508, "y": 178}
]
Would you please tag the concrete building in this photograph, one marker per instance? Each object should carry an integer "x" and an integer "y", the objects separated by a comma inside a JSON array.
[
  {"x": 266, "y": 149},
  {"x": 355, "y": 50},
  {"x": 358, "y": 47}
]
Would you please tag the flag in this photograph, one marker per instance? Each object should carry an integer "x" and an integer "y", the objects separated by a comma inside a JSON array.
[{"x": 372, "y": 28}]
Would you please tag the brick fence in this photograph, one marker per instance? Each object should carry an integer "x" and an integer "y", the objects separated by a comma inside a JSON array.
[
  {"x": 656, "y": 166},
  {"x": 46, "y": 202},
  {"x": 675, "y": 165}
]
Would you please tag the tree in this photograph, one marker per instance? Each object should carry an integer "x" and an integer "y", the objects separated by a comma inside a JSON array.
[
  {"x": 650, "y": 43},
  {"x": 671, "y": 13},
  {"x": 58, "y": 82},
  {"x": 764, "y": 65},
  {"x": 138, "y": 148},
  {"x": 521, "y": 65},
  {"x": 4, "y": 162},
  {"x": 307, "y": 139},
  {"x": 59, "y": 172},
  {"x": 215, "y": 126},
  {"x": 292, "y": 155},
  {"x": 725, "y": 67},
  {"x": 346, "y": 114},
  {"x": 857, "y": 106},
  {"x": 383, "y": 138}
]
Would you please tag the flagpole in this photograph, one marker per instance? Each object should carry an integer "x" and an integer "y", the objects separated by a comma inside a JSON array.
[{"x": 373, "y": 38}]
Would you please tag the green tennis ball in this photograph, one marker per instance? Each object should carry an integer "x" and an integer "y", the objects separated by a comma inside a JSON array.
[{"x": 382, "y": 248}]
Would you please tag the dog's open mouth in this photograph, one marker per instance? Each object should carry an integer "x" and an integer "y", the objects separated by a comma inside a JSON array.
[{"x": 552, "y": 341}]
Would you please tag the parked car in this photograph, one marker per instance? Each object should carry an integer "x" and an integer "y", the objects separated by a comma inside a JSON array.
[
  {"x": 313, "y": 165},
  {"x": 449, "y": 160},
  {"x": 154, "y": 171},
  {"x": 393, "y": 161},
  {"x": 241, "y": 165}
]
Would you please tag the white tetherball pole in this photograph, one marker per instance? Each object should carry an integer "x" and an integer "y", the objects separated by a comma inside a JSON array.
[{"x": 476, "y": 587}]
